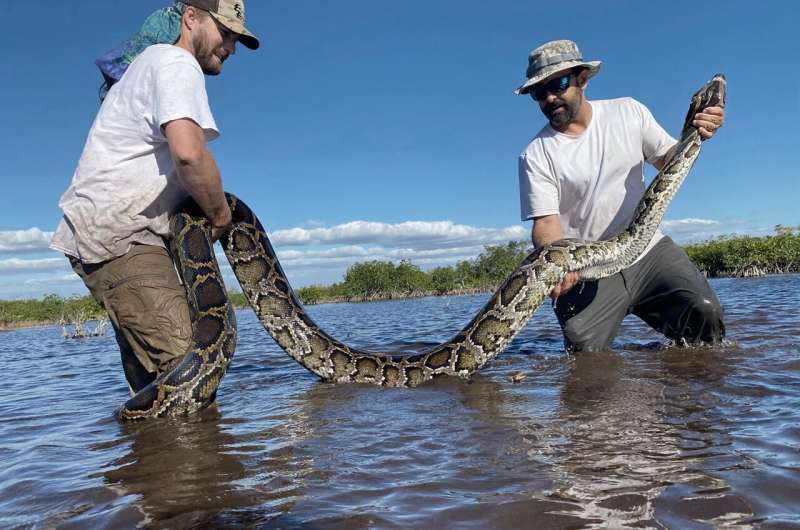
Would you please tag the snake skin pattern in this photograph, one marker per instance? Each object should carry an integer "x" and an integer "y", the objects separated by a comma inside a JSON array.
[{"x": 193, "y": 383}]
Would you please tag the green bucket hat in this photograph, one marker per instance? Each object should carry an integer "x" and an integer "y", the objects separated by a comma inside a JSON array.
[
  {"x": 551, "y": 58},
  {"x": 229, "y": 13}
]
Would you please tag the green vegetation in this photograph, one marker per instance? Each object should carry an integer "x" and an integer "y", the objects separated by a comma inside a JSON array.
[
  {"x": 742, "y": 256},
  {"x": 52, "y": 308},
  {"x": 383, "y": 280},
  {"x": 238, "y": 299}
]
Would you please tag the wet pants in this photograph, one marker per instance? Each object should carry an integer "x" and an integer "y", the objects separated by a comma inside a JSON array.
[
  {"x": 147, "y": 306},
  {"x": 663, "y": 288}
]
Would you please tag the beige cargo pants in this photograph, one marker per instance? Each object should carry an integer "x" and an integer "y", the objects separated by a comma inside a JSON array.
[{"x": 147, "y": 306}]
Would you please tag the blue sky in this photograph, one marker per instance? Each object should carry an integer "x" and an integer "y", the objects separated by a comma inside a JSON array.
[{"x": 388, "y": 130}]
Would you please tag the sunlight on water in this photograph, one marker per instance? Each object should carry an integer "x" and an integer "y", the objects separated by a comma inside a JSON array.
[{"x": 645, "y": 436}]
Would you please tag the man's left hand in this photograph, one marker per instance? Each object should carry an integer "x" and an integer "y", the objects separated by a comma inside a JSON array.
[{"x": 709, "y": 121}]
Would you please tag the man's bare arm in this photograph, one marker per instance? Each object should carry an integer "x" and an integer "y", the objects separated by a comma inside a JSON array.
[
  {"x": 198, "y": 172},
  {"x": 547, "y": 229}
]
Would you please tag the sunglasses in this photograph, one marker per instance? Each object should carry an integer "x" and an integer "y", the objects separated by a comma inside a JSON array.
[{"x": 555, "y": 86}]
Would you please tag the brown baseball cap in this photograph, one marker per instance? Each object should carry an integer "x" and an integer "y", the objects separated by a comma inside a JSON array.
[{"x": 229, "y": 13}]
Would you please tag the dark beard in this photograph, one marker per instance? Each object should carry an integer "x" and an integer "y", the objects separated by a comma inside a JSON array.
[
  {"x": 205, "y": 57},
  {"x": 563, "y": 118}
]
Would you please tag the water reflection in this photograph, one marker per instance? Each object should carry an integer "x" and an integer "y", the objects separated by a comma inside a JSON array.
[
  {"x": 642, "y": 438},
  {"x": 218, "y": 471},
  {"x": 182, "y": 471},
  {"x": 631, "y": 429}
]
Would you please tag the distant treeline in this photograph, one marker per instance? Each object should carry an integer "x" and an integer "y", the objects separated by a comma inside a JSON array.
[
  {"x": 382, "y": 280},
  {"x": 738, "y": 256},
  {"x": 52, "y": 308},
  {"x": 743, "y": 256}
]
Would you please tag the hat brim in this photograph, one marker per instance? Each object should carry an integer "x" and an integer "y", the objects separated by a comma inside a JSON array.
[
  {"x": 547, "y": 71},
  {"x": 245, "y": 36}
]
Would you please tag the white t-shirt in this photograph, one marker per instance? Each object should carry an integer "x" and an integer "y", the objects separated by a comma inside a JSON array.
[
  {"x": 593, "y": 181},
  {"x": 125, "y": 186}
]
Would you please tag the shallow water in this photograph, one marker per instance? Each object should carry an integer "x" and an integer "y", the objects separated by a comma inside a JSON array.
[{"x": 641, "y": 437}]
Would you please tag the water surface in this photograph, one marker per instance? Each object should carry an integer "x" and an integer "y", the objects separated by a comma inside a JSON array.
[{"x": 642, "y": 437}]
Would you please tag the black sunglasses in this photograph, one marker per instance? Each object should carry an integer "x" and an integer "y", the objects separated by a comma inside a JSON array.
[{"x": 554, "y": 86}]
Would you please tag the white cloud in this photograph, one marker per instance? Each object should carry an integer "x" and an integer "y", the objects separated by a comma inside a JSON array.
[
  {"x": 693, "y": 230},
  {"x": 691, "y": 221},
  {"x": 326, "y": 253},
  {"x": 415, "y": 234},
  {"x": 357, "y": 251},
  {"x": 690, "y": 229},
  {"x": 329, "y": 265},
  {"x": 322, "y": 255},
  {"x": 347, "y": 255},
  {"x": 32, "y": 265},
  {"x": 61, "y": 279},
  {"x": 28, "y": 240}
]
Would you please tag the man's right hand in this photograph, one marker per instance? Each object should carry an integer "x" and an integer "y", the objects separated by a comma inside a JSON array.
[
  {"x": 221, "y": 224},
  {"x": 569, "y": 281}
]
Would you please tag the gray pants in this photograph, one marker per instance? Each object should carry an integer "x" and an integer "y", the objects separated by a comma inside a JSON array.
[{"x": 663, "y": 288}]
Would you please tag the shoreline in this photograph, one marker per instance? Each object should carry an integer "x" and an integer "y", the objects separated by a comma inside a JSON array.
[
  {"x": 398, "y": 296},
  {"x": 746, "y": 273},
  {"x": 29, "y": 324},
  {"x": 754, "y": 271},
  {"x": 26, "y": 324}
]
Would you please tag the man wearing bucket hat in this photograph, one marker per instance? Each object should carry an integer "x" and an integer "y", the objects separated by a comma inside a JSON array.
[
  {"x": 146, "y": 151},
  {"x": 582, "y": 177}
]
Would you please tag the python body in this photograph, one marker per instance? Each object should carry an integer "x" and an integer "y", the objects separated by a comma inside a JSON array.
[{"x": 192, "y": 384}]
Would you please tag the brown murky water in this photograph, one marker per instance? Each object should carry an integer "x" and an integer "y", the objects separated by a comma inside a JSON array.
[{"x": 644, "y": 437}]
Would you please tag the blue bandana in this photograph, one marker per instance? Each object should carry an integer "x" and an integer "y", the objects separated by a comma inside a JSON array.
[{"x": 161, "y": 27}]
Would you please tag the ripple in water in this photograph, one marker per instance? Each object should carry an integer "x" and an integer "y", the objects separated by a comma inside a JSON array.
[{"x": 645, "y": 436}]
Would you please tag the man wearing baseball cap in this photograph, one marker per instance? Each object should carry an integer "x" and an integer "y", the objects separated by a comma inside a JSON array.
[
  {"x": 582, "y": 177},
  {"x": 146, "y": 151}
]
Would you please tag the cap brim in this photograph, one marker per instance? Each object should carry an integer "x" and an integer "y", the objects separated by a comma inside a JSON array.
[
  {"x": 544, "y": 73},
  {"x": 245, "y": 36}
]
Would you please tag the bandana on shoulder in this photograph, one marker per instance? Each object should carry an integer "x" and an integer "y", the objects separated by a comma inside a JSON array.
[{"x": 163, "y": 26}]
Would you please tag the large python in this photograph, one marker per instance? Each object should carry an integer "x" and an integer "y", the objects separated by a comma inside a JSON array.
[{"x": 193, "y": 383}]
